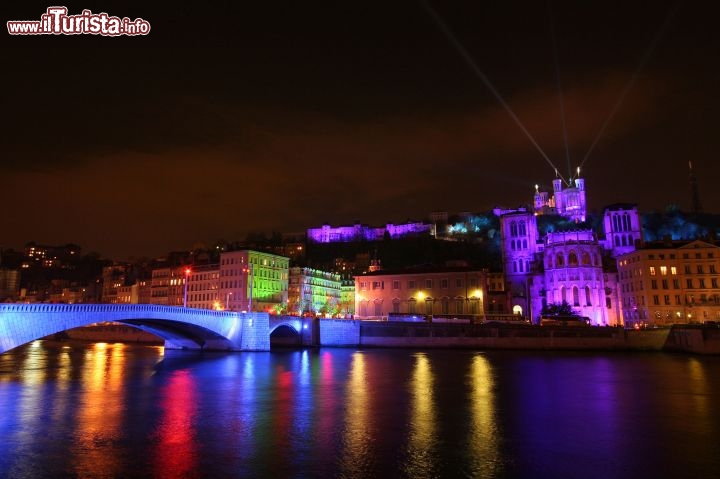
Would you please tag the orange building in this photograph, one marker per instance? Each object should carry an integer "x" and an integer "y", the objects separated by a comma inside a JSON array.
[
  {"x": 670, "y": 282},
  {"x": 457, "y": 291}
]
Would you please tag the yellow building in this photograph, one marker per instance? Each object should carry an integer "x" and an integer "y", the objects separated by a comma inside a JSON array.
[
  {"x": 670, "y": 282},
  {"x": 347, "y": 298}
]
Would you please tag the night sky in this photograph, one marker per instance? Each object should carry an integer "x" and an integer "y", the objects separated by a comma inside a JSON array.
[{"x": 235, "y": 117}]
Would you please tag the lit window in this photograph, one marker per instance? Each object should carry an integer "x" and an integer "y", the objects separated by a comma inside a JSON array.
[
  {"x": 663, "y": 270},
  {"x": 673, "y": 270},
  {"x": 652, "y": 270}
]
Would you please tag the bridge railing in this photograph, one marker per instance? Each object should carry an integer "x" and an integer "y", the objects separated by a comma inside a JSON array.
[{"x": 108, "y": 308}]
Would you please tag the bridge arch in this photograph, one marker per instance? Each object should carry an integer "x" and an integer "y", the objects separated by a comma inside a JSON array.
[{"x": 181, "y": 328}]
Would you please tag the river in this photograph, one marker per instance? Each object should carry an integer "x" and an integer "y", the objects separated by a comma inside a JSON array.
[{"x": 125, "y": 411}]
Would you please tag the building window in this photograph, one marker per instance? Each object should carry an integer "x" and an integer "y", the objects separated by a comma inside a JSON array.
[
  {"x": 702, "y": 283},
  {"x": 663, "y": 270},
  {"x": 666, "y": 298},
  {"x": 576, "y": 296},
  {"x": 411, "y": 306},
  {"x": 428, "y": 306},
  {"x": 714, "y": 282},
  {"x": 444, "y": 283},
  {"x": 445, "y": 305},
  {"x": 712, "y": 269},
  {"x": 673, "y": 270},
  {"x": 572, "y": 259},
  {"x": 459, "y": 306},
  {"x": 676, "y": 283},
  {"x": 411, "y": 284},
  {"x": 656, "y": 299},
  {"x": 588, "y": 299},
  {"x": 699, "y": 269},
  {"x": 652, "y": 270},
  {"x": 687, "y": 269},
  {"x": 653, "y": 284},
  {"x": 689, "y": 283},
  {"x": 396, "y": 306},
  {"x": 428, "y": 283},
  {"x": 378, "y": 308},
  {"x": 376, "y": 285},
  {"x": 396, "y": 284},
  {"x": 585, "y": 259},
  {"x": 665, "y": 284},
  {"x": 677, "y": 299}
]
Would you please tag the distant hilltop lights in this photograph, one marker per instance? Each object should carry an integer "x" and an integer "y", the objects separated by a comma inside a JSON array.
[
  {"x": 567, "y": 202},
  {"x": 360, "y": 232}
]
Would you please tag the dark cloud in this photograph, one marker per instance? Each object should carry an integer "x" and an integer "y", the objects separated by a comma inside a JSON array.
[{"x": 231, "y": 117}]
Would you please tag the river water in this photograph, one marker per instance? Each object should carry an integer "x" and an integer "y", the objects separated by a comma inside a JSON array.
[{"x": 125, "y": 411}]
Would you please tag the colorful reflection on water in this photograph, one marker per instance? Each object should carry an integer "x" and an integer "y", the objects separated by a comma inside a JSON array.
[{"x": 114, "y": 410}]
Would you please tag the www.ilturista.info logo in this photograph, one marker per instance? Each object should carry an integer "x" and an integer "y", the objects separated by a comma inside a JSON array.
[{"x": 56, "y": 21}]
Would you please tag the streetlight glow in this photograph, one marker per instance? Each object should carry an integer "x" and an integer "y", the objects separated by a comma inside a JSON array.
[{"x": 185, "y": 286}]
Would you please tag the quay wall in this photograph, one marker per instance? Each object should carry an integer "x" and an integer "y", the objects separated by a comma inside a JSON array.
[
  {"x": 340, "y": 332},
  {"x": 390, "y": 334}
]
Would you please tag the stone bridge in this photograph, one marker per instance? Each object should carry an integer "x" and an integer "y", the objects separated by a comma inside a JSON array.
[{"x": 180, "y": 328}]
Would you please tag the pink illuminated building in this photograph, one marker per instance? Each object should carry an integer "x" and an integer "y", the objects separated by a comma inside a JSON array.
[
  {"x": 575, "y": 266},
  {"x": 456, "y": 291}
]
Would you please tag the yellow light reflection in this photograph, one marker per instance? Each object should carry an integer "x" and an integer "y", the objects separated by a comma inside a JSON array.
[
  {"x": 483, "y": 438},
  {"x": 356, "y": 434},
  {"x": 699, "y": 386},
  {"x": 101, "y": 412},
  {"x": 34, "y": 373},
  {"x": 423, "y": 441}
]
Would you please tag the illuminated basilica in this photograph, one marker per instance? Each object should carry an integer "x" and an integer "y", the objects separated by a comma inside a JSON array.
[{"x": 566, "y": 266}]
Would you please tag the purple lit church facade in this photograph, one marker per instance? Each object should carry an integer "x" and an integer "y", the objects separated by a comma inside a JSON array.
[{"x": 566, "y": 266}]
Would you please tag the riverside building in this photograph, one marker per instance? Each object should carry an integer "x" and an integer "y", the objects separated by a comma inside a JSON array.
[
  {"x": 671, "y": 282},
  {"x": 253, "y": 281},
  {"x": 456, "y": 291}
]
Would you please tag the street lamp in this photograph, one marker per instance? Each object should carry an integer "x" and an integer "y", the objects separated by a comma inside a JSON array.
[
  {"x": 227, "y": 300},
  {"x": 185, "y": 289},
  {"x": 249, "y": 269}
]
